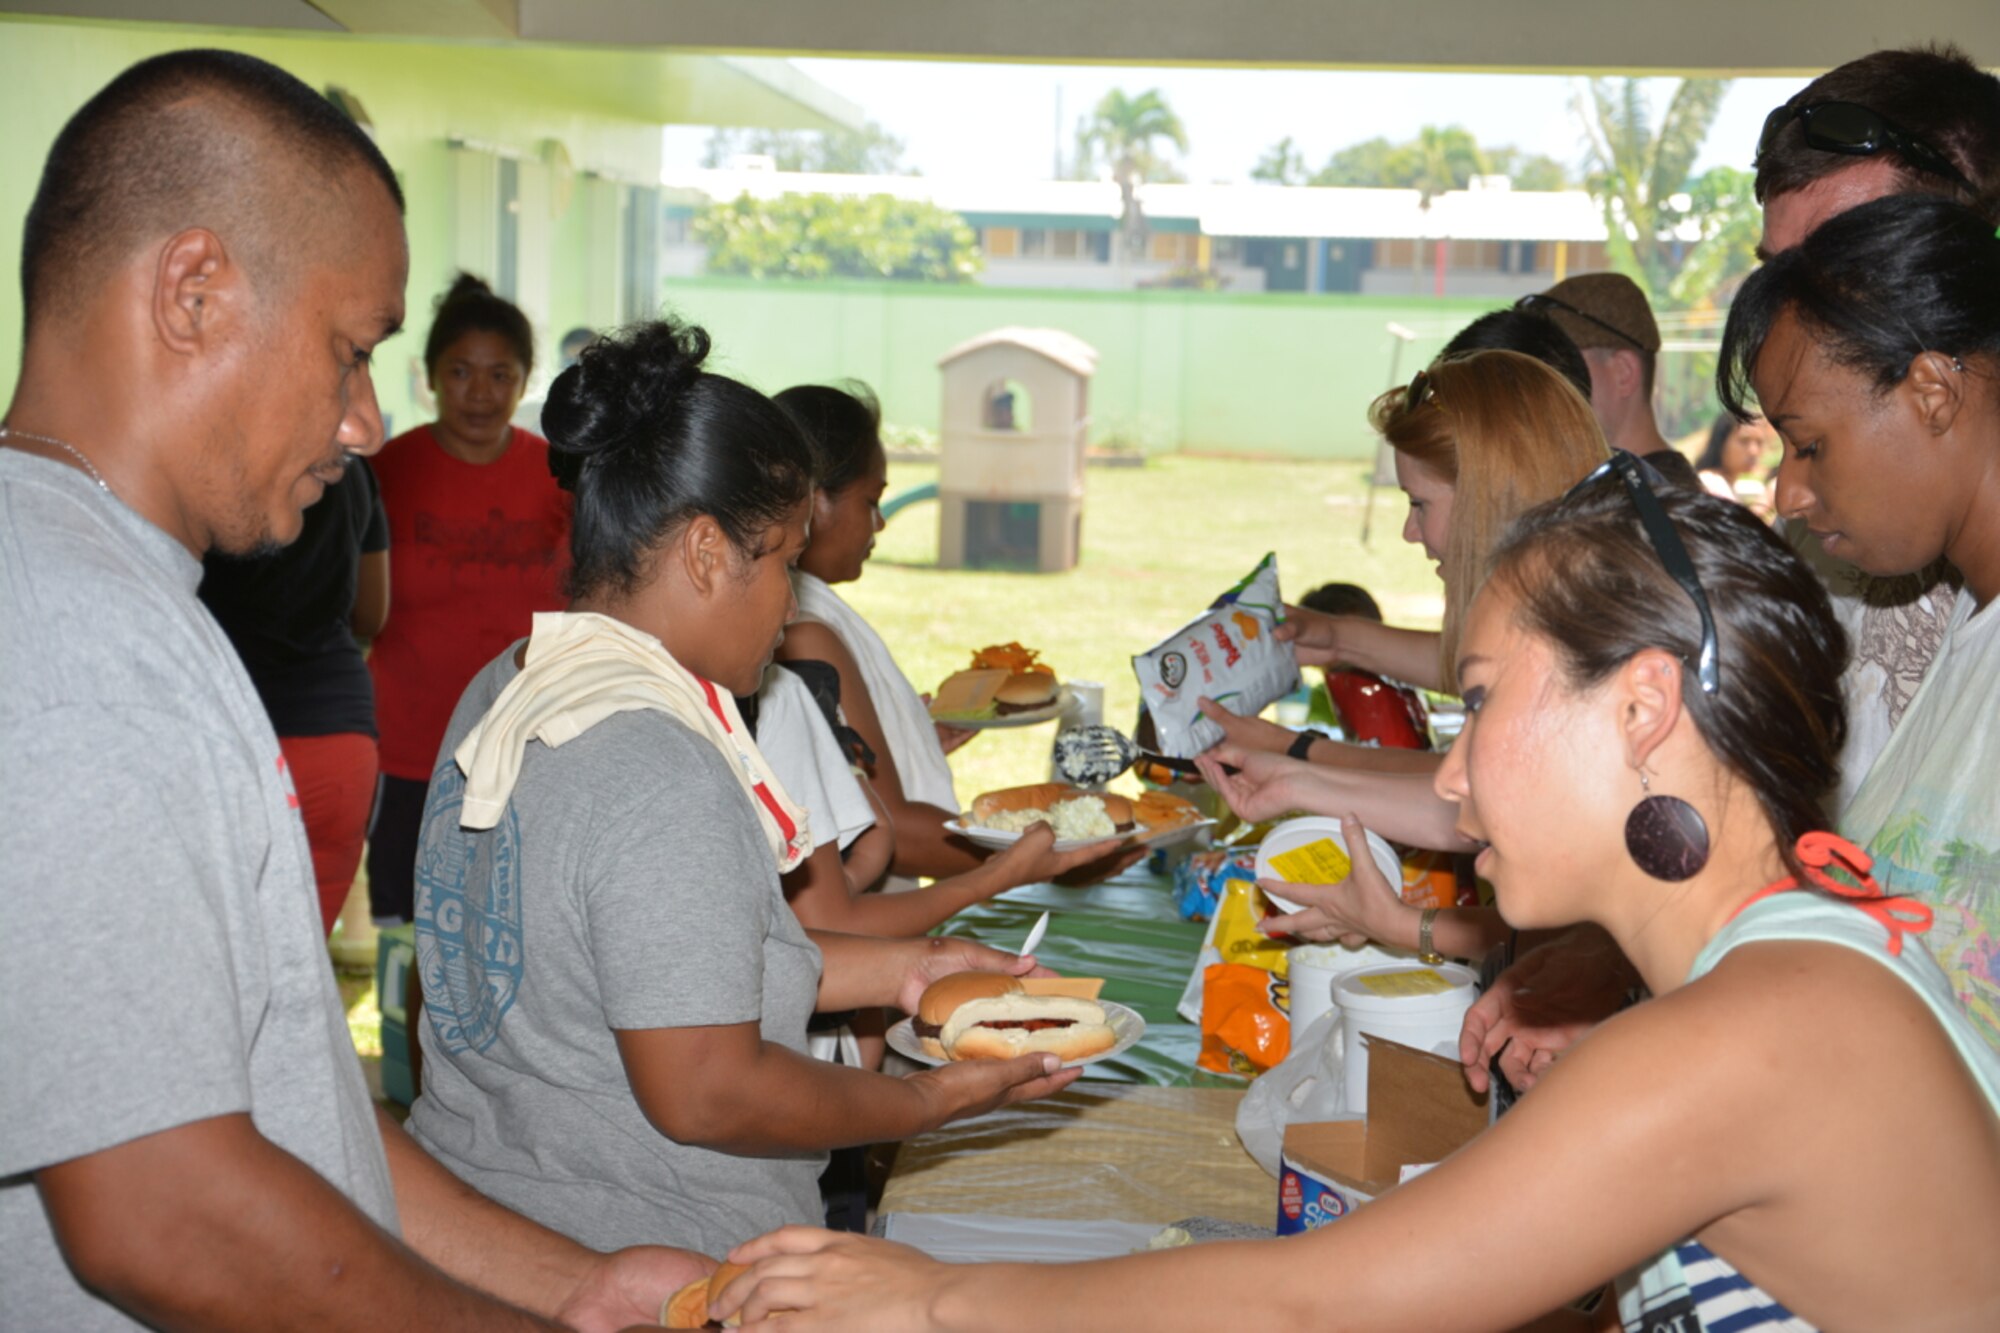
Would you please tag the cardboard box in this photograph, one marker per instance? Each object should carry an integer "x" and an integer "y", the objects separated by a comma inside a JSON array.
[{"x": 1420, "y": 1111}]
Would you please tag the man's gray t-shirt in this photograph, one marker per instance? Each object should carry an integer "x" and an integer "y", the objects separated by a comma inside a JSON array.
[
  {"x": 165, "y": 962},
  {"x": 628, "y": 885}
]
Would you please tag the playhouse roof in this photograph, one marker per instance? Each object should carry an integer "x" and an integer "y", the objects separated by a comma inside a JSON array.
[{"x": 1065, "y": 349}]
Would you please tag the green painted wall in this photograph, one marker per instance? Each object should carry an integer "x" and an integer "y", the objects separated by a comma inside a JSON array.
[
  {"x": 1197, "y": 371},
  {"x": 418, "y": 96}
]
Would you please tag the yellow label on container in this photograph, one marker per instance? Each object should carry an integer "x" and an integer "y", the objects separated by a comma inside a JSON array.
[
  {"x": 1400, "y": 985},
  {"x": 1320, "y": 862}
]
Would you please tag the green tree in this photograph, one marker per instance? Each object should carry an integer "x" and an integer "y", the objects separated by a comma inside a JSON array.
[
  {"x": 838, "y": 236},
  {"x": 1436, "y": 160},
  {"x": 1367, "y": 165},
  {"x": 868, "y": 151},
  {"x": 1123, "y": 132},
  {"x": 1281, "y": 164},
  {"x": 1641, "y": 176},
  {"x": 1528, "y": 171}
]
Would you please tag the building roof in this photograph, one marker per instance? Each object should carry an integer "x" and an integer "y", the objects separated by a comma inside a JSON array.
[
  {"x": 1065, "y": 349},
  {"x": 1492, "y": 213}
]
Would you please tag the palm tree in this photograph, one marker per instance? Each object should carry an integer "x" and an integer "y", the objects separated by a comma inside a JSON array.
[
  {"x": 1641, "y": 178},
  {"x": 1122, "y": 130}
]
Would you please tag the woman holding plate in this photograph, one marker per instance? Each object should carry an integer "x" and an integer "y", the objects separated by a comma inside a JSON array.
[
  {"x": 616, "y": 991},
  {"x": 911, "y": 775}
]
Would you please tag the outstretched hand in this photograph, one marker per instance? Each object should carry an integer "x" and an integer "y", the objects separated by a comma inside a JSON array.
[
  {"x": 1362, "y": 908},
  {"x": 942, "y": 955},
  {"x": 630, "y": 1287},
  {"x": 805, "y": 1280},
  {"x": 1312, "y": 634},
  {"x": 1034, "y": 858},
  {"x": 1247, "y": 734},
  {"x": 1264, "y": 785},
  {"x": 1540, "y": 1007}
]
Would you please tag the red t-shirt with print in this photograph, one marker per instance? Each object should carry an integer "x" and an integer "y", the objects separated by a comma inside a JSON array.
[{"x": 474, "y": 551}]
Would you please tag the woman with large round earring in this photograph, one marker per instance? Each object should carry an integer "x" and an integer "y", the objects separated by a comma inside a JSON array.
[{"x": 1710, "y": 1143}]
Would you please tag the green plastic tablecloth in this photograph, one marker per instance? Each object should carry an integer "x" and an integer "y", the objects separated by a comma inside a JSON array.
[{"x": 1124, "y": 930}]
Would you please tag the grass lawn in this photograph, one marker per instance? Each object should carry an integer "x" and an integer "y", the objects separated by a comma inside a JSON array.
[{"x": 1159, "y": 543}]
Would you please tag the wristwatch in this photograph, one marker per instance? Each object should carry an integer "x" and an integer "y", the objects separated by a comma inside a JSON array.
[
  {"x": 1301, "y": 744},
  {"x": 1426, "y": 949}
]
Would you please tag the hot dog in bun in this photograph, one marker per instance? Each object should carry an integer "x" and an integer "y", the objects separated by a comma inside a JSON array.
[{"x": 986, "y": 1016}]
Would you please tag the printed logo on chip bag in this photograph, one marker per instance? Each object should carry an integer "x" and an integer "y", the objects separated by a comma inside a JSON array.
[{"x": 1173, "y": 670}]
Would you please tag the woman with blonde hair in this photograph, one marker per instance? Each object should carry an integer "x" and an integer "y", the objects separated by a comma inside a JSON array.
[{"x": 1479, "y": 440}]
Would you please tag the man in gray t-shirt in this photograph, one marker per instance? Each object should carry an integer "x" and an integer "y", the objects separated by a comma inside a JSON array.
[
  {"x": 577, "y": 915},
  {"x": 212, "y": 254}
]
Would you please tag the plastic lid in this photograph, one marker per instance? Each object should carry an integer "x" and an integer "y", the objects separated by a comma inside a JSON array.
[{"x": 1406, "y": 988}]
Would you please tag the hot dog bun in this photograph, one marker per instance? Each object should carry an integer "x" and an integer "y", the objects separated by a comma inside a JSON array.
[
  {"x": 1086, "y": 1032},
  {"x": 943, "y": 996},
  {"x": 688, "y": 1307}
]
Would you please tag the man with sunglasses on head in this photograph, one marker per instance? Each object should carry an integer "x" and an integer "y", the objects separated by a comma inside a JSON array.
[
  {"x": 1611, "y": 322},
  {"x": 1920, "y": 121}
]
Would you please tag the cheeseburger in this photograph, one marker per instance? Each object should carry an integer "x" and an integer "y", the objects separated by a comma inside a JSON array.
[{"x": 987, "y": 1016}]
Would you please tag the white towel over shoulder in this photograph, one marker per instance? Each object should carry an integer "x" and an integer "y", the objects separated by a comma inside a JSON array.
[
  {"x": 581, "y": 668},
  {"x": 906, "y": 723}
]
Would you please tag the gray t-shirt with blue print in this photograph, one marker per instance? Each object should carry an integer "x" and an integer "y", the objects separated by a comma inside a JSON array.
[{"x": 627, "y": 886}]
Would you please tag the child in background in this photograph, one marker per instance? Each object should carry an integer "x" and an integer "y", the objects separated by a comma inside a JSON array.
[{"x": 1368, "y": 708}]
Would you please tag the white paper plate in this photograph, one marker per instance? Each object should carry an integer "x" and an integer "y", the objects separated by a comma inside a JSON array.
[
  {"x": 1125, "y": 1022},
  {"x": 1002, "y": 839},
  {"x": 1298, "y": 832},
  {"x": 1046, "y": 713}
]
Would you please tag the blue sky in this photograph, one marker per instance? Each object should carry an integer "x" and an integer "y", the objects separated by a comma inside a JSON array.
[{"x": 960, "y": 118}]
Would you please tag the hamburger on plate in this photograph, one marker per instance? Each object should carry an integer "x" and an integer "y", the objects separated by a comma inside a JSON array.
[{"x": 1004, "y": 679}]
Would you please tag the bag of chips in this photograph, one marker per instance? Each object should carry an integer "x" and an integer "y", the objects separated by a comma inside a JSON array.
[
  {"x": 1244, "y": 1029},
  {"x": 1228, "y": 654}
]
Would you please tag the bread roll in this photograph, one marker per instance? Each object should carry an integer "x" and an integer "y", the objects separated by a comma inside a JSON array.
[{"x": 1086, "y": 1032}]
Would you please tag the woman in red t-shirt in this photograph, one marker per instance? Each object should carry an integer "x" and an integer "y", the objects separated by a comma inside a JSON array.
[{"x": 478, "y": 535}]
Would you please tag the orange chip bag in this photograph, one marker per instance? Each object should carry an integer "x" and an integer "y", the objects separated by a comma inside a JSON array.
[{"x": 1244, "y": 1028}]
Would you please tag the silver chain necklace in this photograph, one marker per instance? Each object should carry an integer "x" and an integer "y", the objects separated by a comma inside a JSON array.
[{"x": 67, "y": 448}]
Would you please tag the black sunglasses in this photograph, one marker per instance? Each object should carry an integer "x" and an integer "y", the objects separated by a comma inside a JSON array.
[
  {"x": 1534, "y": 302},
  {"x": 1422, "y": 389},
  {"x": 1639, "y": 478},
  {"x": 1856, "y": 131}
]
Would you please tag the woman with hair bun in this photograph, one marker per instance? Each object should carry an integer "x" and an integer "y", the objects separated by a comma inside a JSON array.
[
  {"x": 476, "y": 533},
  {"x": 1799, "y": 1130},
  {"x": 616, "y": 992}
]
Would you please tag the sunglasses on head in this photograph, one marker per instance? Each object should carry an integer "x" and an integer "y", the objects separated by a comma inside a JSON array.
[
  {"x": 1540, "y": 303},
  {"x": 1639, "y": 478},
  {"x": 1855, "y": 131}
]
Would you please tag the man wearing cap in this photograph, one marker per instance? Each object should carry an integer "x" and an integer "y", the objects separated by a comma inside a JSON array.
[{"x": 1611, "y": 322}]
